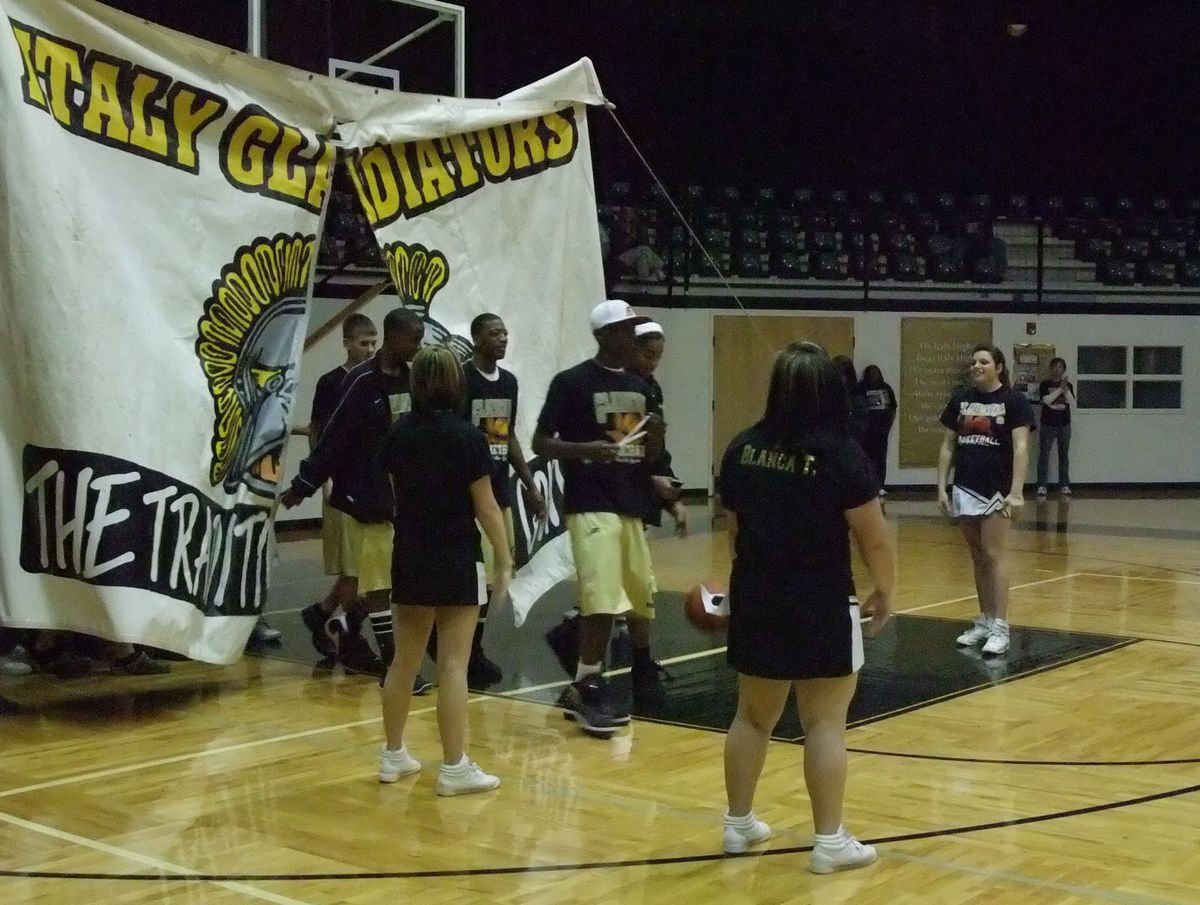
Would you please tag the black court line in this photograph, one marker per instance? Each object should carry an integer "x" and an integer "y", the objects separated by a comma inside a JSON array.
[
  {"x": 597, "y": 865},
  {"x": 1017, "y": 762}
]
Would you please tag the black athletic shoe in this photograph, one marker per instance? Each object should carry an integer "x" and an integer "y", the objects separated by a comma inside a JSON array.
[
  {"x": 356, "y": 656},
  {"x": 586, "y": 702},
  {"x": 647, "y": 680},
  {"x": 564, "y": 641},
  {"x": 481, "y": 672},
  {"x": 314, "y": 620},
  {"x": 421, "y": 685}
]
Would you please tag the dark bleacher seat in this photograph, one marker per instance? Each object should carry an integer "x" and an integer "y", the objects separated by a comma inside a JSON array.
[
  {"x": 922, "y": 224},
  {"x": 986, "y": 270},
  {"x": 859, "y": 243},
  {"x": 1017, "y": 207},
  {"x": 908, "y": 267},
  {"x": 873, "y": 199},
  {"x": 766, "y": 197},
  {"x": 693, "y": 196},
  {"x": 856, "y": 266},
  {"x": 714, "y": 218},
  {"x": 1161, "y": 206},
  {"x": 1123, "y": 207},
  {"x": 1092, "y": 249},
  {"x": 978, "y": 207},
  {"x": 823, "y": 241},
  {"x": 910, "y": 201},
  {"x": 1141, "y": 228},
  {"x": 1112, "y": 272},
  {"x": 827, "y": 266},
  {"x": 1126, "y": 249},
  {"x": 619, "y": 192},
  {"x": 1188, "y": 273},
  {"x": 787, "y": 240},
  {"x": 802, "y": 198},
  {"x": 656, "y": 195},
  {"x": 748, "y": 218},
  {"x": 1070, "y": 228},
  {"x": 839, "y": 199},
  {"x": 789, "y": 265},
  {"x": 947, "y": 269},
  {"x": 729, "y": 196},
  {"x": 1088, "y": 207},
  {"x": 1170, "y": 250},
  {"x": 938, "y": 246},
  {"x": 1051, "y": 208},
  {"x": 1157, "y": 273},
  {"x": 782, "y": 218},
  {"x": 750, "y": 239},
  {"x": 899, "y": 243},
  {"x": 749, "y": 263},
  {"x": 716, "y": 238},
  {"x": 850, "y": 219}
]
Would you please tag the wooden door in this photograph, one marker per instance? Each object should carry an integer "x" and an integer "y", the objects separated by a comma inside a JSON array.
[{"x": 744, "y": 349}]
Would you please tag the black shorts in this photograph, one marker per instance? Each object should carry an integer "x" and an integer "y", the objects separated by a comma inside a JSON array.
[
  {"x": 438, "y": 578},
  {"x": 774, "y": 634}
]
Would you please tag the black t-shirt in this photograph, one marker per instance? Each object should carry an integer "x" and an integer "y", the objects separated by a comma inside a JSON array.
[
  {"x": 432, "y": 460},
  {"x": 325, "y": 399},
  {"x": 492, "y": 407},
  {"x": 587, "y": 403},
  {"x": 1058, "y": 412},
  {"x": 790, "y": 502},
  {"x": 985, "y": 423},
  {"x": 879, "y": 406}
]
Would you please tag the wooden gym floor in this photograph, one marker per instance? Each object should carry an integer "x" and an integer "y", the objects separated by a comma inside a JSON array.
[{"x": 1068, "y": 772}]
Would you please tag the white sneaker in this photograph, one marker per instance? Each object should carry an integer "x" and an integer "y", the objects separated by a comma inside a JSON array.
[
  {"x": 743, "y": 832},
  {"x": 840, "y": 851},
  {"x": 981, "y": 630},
  {"x": 395, "y": 764},
  {"x": 10, "y": 665},
  {"x": 1041, "y": 493},
  {"x": 997, "y": 642},
  {"x": 1065, "y": 490},
  {"x": 464, "y": 778}
]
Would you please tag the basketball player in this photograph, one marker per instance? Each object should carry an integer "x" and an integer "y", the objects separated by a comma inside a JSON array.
[
  {"x": 359, "y": 338},
  {"x": 375, "y": 394},
  {"x": 598, "y": 420},
  {"x": 491, "y": 405},
  {"x": 986, "y": 439},
  {"x": 796, "y": 485}
]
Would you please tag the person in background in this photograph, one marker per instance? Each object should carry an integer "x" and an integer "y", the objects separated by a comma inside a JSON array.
[
  {"x": 359, "y": 338},
  {"x": 877, "y": 401},
  {"x": 491, "y": 405},
  {"x": 858, "y": 411},
  {"x": 598, "y": 420},
  {"x": 1058, "y": 399},
  {"x": 375, "y": 394},
  {"x": 986, "y": 440},
  {"x": 795, "y": 486}
]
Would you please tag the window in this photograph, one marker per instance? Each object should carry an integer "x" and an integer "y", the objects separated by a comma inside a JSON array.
[{"x": 1130, "y": 377}]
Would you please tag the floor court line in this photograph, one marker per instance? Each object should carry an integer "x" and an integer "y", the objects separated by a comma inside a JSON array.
[
  {"x": 1135, "y": 578},
  {"x": 163, "y": 867},
  {"x": 321, "y": 730}
]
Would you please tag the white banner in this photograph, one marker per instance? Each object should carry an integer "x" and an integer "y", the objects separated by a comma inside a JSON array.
[
  {"x": 161, "y": 202},
  {"x": 498, "y": 219}
]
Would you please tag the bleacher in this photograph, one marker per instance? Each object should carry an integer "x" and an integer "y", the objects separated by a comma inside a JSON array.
[{"x": 767, "y": 234}]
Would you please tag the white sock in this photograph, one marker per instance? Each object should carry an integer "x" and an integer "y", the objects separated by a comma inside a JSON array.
[
  {"x": 831, "y": 839},
  {"x": 744, "y": 822},
  {"x": 583, "y": 670},
  {"x": 462, "y": 764}
]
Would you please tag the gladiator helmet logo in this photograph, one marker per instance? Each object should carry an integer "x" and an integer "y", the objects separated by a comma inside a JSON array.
[
  {"x": 248, "y": 336},
  {"x": 419, "y": 273}
]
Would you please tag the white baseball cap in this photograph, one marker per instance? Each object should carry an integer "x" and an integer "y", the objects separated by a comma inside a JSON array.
[
  {"x": 650, "y": 328},
  {"x": 614, "y": 311}
]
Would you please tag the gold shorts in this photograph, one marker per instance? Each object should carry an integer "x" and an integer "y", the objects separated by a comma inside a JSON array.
[
  {"x": 367, "y": 551},
  {"x": 612, "y": 560},
  {"x": 489, "y": 556},
  {"x": 333, "y": 539}
]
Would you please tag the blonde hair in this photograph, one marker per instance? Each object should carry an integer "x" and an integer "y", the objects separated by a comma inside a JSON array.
[{"x": 437, "y": 381}]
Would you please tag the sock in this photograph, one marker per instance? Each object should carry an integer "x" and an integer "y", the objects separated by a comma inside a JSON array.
[
  {"x": 642, "y": 659},
  {"x": 583, "y": 670},
  {"x": 744, "y": 822},
  {"x": 458, "y": 767},
  {"x": 571, "y": 613},
  {"x": 831, "y": 839},
  {"x": 381, "y": 626}
]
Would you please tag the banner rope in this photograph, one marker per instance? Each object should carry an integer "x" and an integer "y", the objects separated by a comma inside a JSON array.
[{"x": 688, "y": 226}]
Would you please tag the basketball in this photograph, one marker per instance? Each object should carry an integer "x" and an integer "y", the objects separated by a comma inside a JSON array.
[{"x": 706, "y": 606}]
